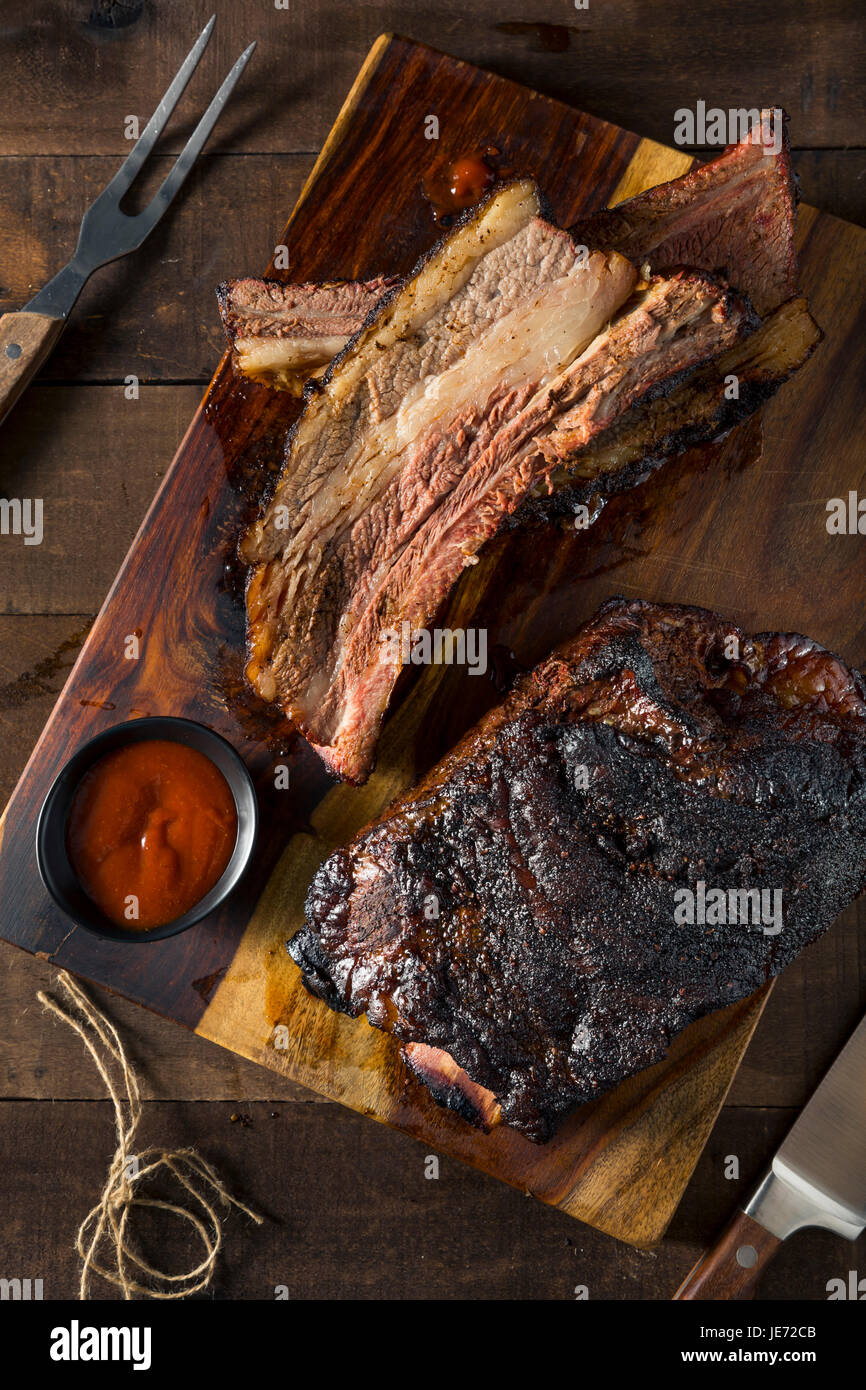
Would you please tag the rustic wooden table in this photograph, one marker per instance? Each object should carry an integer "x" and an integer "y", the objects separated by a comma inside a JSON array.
[{"x": 350, "y": 1211}]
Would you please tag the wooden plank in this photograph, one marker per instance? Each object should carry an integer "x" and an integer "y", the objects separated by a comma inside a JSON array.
[
  {"x": 834, "y": 181},
  {"x": 302, "y": 1166},
  {"x": 815, "y": 1006},
  {"x": 36, "y": 656},
  {"x": 618, "y": 59},
  {"x": 154, "y": 313},
  {"x": 40, "y": 1060},
  {"x": 95, "y": 459},
  {"x": 527, "y": 596}
]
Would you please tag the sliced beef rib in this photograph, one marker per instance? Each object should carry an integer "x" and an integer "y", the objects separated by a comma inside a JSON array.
[
  {"x": 699, "y": 409},
  {"x": 503, "y": 356},
  {"x": 282, "y": 335},
  {"x": 733, "y": 216}
]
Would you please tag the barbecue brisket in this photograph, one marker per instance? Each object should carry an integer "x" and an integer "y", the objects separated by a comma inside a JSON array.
[
  {"x": 517, "y": 920},
  {"x": 282, "y": 335},
  {"x": 733, "y": 216},
  {"x": 502, "y": 357},
  {"x": 700, "y": 409}
]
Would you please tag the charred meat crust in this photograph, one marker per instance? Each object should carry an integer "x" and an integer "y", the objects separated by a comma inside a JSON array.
[
  {"x": 696, "y": 220},
  {"x": 701, "y": 412},
  {"x": 660, "y": 750},
  {"x": 450, "y": 1087},
  {"x": 451, "y": 1098}
]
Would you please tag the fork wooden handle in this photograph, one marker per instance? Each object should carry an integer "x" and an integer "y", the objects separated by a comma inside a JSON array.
[
  {"x": 25, "y": 342},
  {"x": 733, "y": 1266}
]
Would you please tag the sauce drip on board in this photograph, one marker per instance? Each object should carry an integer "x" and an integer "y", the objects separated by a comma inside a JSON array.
[
  {"x": 151, "y": 828},
  {"x": 453, "y": 185}
]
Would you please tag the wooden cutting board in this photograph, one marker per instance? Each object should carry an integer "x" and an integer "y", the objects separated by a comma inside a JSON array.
[{"x": 739, "y": 527}]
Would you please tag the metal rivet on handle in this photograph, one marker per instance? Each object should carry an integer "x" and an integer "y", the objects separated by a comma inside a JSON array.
[
  {"x": 747, "y": 1256},
  {"x": 13, "y": 350}
]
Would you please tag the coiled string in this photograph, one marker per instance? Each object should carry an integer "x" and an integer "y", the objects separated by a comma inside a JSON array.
[{"x": 107, "y": 1225}]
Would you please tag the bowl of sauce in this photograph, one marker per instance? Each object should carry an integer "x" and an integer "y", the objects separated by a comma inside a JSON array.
[{"x": 147, "y": 829}]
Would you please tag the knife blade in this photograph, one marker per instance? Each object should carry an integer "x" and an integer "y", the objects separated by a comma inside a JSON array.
[
  {"x": 817, "y": 1178},
  {"x": 822, "y": 1163}
]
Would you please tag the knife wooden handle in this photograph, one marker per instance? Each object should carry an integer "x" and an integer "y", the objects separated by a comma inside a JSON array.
[
  {"x": 25, "y": 342},
  {"x": 732, "y": 1267}
]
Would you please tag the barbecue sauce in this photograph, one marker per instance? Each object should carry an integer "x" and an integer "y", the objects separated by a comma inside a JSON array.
[
  {"x": 151, "y": 829},
  {"x": 452, "y": 186}
]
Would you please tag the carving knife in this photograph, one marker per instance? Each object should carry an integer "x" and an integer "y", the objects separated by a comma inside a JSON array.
[{"x": 818, "y": 1178}]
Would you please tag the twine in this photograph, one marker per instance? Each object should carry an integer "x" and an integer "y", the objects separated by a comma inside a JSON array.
[{"x": 108, "y": 1222}]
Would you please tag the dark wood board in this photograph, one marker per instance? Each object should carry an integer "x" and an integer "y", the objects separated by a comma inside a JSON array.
[{"x": 691, "y": 534}]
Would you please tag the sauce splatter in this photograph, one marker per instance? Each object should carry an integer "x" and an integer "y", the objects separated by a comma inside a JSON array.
[
  {"x": 453, "y": 185},
  {"x": 151, "y": 828}
]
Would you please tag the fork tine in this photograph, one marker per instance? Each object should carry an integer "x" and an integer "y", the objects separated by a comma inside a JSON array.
[
  {"x": 152, "y": 131},
  {"x": 194, "y": 145}
]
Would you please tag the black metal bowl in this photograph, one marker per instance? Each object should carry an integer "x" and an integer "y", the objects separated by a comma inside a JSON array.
[{"x": 58, "y": 874}]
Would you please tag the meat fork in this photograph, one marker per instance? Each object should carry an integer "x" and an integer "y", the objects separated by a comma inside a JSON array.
[{"x": 29, "y": 335}]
